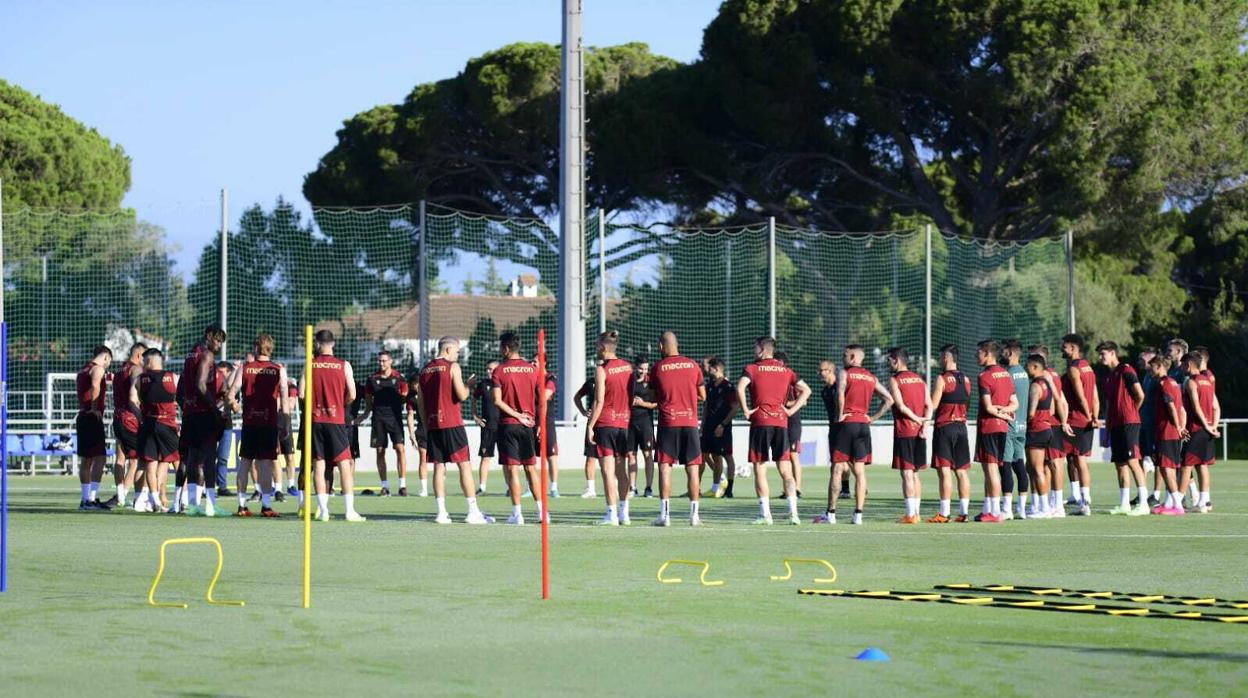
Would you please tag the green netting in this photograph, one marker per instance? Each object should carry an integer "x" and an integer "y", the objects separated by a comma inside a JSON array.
[
  {"x": 709, "y": 286},
  {"x": 839, "y": 289},
  {"x": 74, "y": 281},
  {"x": 991, "y": 290}
]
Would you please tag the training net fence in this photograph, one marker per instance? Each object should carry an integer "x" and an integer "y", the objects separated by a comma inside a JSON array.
[{"x": 74, "y": 281}]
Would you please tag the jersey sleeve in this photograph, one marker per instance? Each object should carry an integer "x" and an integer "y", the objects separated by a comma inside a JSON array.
[
  {"x": 985, "y": 384},
  {"x": 368, "y": 387},
  {"x": 1129, "y": 378}
]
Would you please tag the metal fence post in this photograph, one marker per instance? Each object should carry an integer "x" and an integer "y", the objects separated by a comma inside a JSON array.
[
  {"x": 1070, "y": 277},
  {"x": 422, "y": 276},
  {"x": 602, "y": 272},
  {"x": 927, "y": 311},
  {"x": 771, "y": 273},
  {"x": 223, "y": 292}
]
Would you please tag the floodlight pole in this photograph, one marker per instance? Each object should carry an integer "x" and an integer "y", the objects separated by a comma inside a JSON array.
[{"x": 571, "y": 209}]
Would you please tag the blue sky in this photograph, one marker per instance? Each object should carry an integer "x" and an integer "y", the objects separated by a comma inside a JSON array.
[{"x": 248, "y": 95}]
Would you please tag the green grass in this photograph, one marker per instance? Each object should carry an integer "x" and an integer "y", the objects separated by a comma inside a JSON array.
[{"x": 402, "y": 606}]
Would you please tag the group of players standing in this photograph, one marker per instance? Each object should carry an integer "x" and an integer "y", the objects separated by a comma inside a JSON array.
[{"x": 1034, "y": 426}]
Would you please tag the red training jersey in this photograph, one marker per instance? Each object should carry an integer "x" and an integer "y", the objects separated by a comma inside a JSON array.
[
  {"x": 914, "y": 394},
  {"x": 84, "y": 390},
  {"x": 1057, "y": 395},
  {"x": 1204, "y": 397},
  {"x": 859, "y": 387},
  {"x": 1078, "y": 418},
  {"x": 1121, "y": 398},
  {"x": 123, "y": 413},
  {"x": 1171, "y": 394},
  {"x": 675, "y": 381},
  {"x": 1040, "y": 421},
  {"x": 516, "y": 380},
  {"x": 194, "y": 402},
  {"x": 617, "y": 401},
  {"x": 437, "y": 391},
  {"x": 329, "y": 390},
  {"x": 770, "y": 381},
  {"x": 261, "y": 392},
  {"x": 158, "y": 397},
  {"x": 955, "y": 394},
  {"x": 996, "y": 382}
]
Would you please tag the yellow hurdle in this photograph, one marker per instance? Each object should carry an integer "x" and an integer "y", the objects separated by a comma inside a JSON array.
[
  {"x": 706, "y": 566},
  {"x": 788, "y": 570},
  {"x": 160, "y": 571}
]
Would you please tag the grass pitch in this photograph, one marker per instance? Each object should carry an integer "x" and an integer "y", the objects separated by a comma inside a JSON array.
[{"x": 403, "y": 606}]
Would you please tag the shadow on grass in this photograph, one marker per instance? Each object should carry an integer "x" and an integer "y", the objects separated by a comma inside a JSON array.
[{"x": 1143, "y": 653}]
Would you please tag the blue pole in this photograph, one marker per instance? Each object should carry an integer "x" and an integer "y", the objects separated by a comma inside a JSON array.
[{"x": 4, "y": 456}]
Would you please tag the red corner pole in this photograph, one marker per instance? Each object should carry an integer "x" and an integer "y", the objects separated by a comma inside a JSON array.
[{"x": 543, "y": 461}]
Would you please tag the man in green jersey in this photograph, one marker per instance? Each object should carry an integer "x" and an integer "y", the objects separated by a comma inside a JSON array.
[{"x": 1014, "y": 466}]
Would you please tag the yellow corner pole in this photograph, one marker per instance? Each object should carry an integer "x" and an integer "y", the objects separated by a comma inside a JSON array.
[{"x": 308, "y": 494}]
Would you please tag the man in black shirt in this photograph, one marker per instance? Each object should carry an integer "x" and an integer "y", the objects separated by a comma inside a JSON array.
[
  {"x": 827, "y": 371},
  {"x": 385, "y": 393},
  {"x": 485, "y": 414},
  {"x": 717, "y": 413},
  {"x": 641, "y": 426}
]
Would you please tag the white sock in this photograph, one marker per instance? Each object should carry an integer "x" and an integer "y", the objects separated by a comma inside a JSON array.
[
  {"x": 1142, "y": 493},
  {"x": 611, "y": 515},
  {"x": 1204, "y": 497},
  {"x": 299, "y": 494},
  {"x": 944, "y": 507},
  {"x": 402, "y": 482},
  {"x": 964, "y": 506},
  {"x": 1157, "y": 495},
  {"x": 1085, "y": 495},
  {"x": 764, "y": 508},
  {"x": 86, "y": 492},
  {"x": 1055, "y": 499},
  {"x": 623, "y": 510},
  {"x": 793, "y": 505},
  {"x": 192, "y": 493},
  {"x": 1022, "y": 505},
  {"x": 516, "y": 510},
  {"x": 322, "y": 502},
  {"x": 1074, "y": 489},
  {"x": 441, "y": 505},
  {"x": 266, "y": 500},
  {"x": 385, "y": 484},
  {"x": 1043, "y": 504},
  {"x": 152, "y": 498},
  {"x": 539, "y": 510},
  {"x": 210, "y": 493},
  {"x": 589, "y": 487},
  {"x": 93, "y": 491},
  {"x": 1193, "y": 489},
  {"x": 472, "y": 506},
  {"x": 1124, "y": 497},
  {"x": 349, "y": 500},
  {"x": 986, "y": 508},
  {"x": 664, "y": 508},
  {"x": 693, "y": 508},
  {"x": 1009, "y": 503},
  {"x": 242, "y": 499},
  {"x": 121, "y": 494}
]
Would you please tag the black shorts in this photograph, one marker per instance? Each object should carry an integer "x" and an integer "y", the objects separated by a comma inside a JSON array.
[
  {"x": 515, "y": 445},
  {"x": 201, "y": 430},
  {"x": 1059, "y": 445},
  {"x": 387, "y": 432},
  {"x": 612, "y": 442},
  {"x": 679, "y": 446},
  {"x": 591, "y": 451},
  {"x": 1199, "y": 449},
  {"x": 90, "y": 430},
  {"x": 1124, "y": 442},
  {"x": 489, "y": 439},
  {"x": 951, "y": 447},
  {"x": 1148, "y": 436},
  {"x": 1168, "y": 453},
  {"x": 795, "y": 434},
  {"x": 716, "y": 445},
  {"x": 990, "y": 448},
  {"x": 552, "y": 440},
  {"x": 127, "y": 441},
  {"x": 331, "y": 442},
  {"x": 448, "y": 445},
  {"x": 640, "y": 435},
  {"x": 1039, "y": 440},
  {"x": 853, "y": 443},
  {"x": 909, "y": 453},
  {"x": 158, "y": 442},
  {"x": 768, "y": 444},
  {"x": 422, "y": 436},
  {"x": 354, "y": 439},
  {"x": 258, "y": 443},
  {"x": 1081, "y": 443},
  {"x": 285, "y": 436}
]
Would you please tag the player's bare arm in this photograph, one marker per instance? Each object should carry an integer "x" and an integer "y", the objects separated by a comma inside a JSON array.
[
  {"x": 1076, "y": 385},
  {"x": 840, "y": 396},
  {"x": 459, "y": 386},
  {"x": 1193, "y": 394},
  {"x": 803, "y": 395},
  {"x": 742, "y": 398},
  {"x": 600, "y": 393},
  {"x": 886, "y": 401},
  {"x": 894, "y": 390},
  {"x": 207, "y": 365},
  {"x": 283, "y": 385}
]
